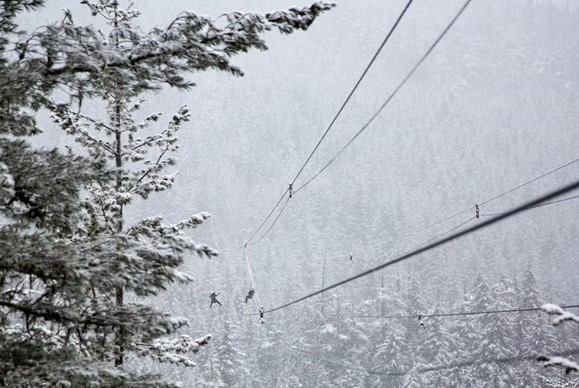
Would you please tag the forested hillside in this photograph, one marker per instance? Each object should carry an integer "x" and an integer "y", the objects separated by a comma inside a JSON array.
[{"x": 486, "y": 123}]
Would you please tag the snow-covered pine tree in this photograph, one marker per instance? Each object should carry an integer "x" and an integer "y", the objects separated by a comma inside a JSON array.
[
  {"x": 57, "y": 326},
  {"x": 537, "y": 336}
]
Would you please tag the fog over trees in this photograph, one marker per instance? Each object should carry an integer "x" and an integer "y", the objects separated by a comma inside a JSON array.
[{"x": 110, "y": 249}]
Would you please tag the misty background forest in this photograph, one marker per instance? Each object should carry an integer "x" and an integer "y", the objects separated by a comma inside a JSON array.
[{"x": 493, "y": 106}]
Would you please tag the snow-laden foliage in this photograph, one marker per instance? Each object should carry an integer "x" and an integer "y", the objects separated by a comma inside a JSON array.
[
  {"x": 560, "y": 314},
  {"x": 173, "y": 350},
  {"x": 66, "y": 255},
  {"x": 567, "y": 365}
]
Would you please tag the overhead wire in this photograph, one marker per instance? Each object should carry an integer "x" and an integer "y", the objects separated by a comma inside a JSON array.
[
  {"x": 405, "y": 79},
  {"x": 553, "y": 194},
  {"x": 354, "y": 89},
  {"x": 466, "y": 313},
  {"x": 267, "y": 217},
  {"x": 274, "y": 222},
  {"x": 336, "y": 116},
  {"x": 462, "y": 364},
  {"x": 537, "y": 206},
  {"x": 471, "y": 208},
  {"x": 529, "y": 182}
]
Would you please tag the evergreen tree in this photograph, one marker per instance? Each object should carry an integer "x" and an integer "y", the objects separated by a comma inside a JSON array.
[
  {"x": 65, "y": 247},
  {"x": 536, "y": 334}
]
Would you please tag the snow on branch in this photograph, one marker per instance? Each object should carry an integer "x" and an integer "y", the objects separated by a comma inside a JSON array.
[
  {"x": 188, "y": 44},
  {"x": 299, "y": 18},
  {"x": 566, "y": 364},
  {"x": 561, "y": 315},
  {"x": 173, "y": 350}
]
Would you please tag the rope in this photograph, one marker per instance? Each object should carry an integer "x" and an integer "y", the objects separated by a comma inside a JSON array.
[
  {"x": 442, "y": 315},
  {"x": 536, "y": 206},
  {"x": 333, "y": 120},
  {"x": 379, "y": 256},
  {"x": 267, "y": 218},
  {"x": 444, "y": 241},
  {"x": 213, "y": 233},
  {"x": 529, "y": 182},
  {"x": 251, "y": 275},
  {"x": 354, "y": 89},
  {"x": 481, "y": 215},
  {"x": 274, "y": 221},
  {"x": 412, "y": 71},
  {"x": 501, "y": 360},
  {"x": 424, "y": 227}
]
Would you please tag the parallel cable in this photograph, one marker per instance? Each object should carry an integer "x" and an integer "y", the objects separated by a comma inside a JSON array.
[
  {"x": 500, "y": 360},
  {"x": 337, "y": 114},
  {"x": 448, "y": 231},
  {"x": 444, "y": 241},
  {"x": 354, "y": 89},
  {"x": 391, "y": 95},
  {"x": 442, "y": 315},
  {"x": 537, "y": 206},
  {"x": 426, "y": 227},
  {"x": 462, "y": 364},
  {"x": 484, "y": 202},
  {"x": 529, "y": 182},
  {"x": 267, "y": 218},
  {"x": 274, "y": 221}
]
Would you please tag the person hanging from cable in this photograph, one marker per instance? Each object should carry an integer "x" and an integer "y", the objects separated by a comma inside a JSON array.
[
  {"x": 213, "y": 296},
  {"x": 351, "y": 257},
  {"x": 249, "y": 294}
]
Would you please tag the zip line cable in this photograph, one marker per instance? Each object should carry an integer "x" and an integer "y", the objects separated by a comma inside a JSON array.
[
  {"x": 444, "y": 241},
  {"x": 453, "y": 216},
  {"x": 337, "y": 114},
  {"x": 537, "y": 206},
  {"x": 448, "y": 231},
  {"x": 412, "y": 71},
  {"x": 425, "y": 227},
  {"x": 529, "y": 182},
  {"x": 375, "y": 258},
  {"x": 274, "y": 221},
  {"x": 354, "y": 89},
  {"x": 501, "y": 360},
  {"x": 266, "y": 218},
  {"x": 261, "y": 238},
  {"x": 442, "y": 315},
  {"x": 420, "y": 229}
]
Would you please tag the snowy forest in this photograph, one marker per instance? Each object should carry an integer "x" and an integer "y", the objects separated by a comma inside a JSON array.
[{"x": 426, "y": 155}]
